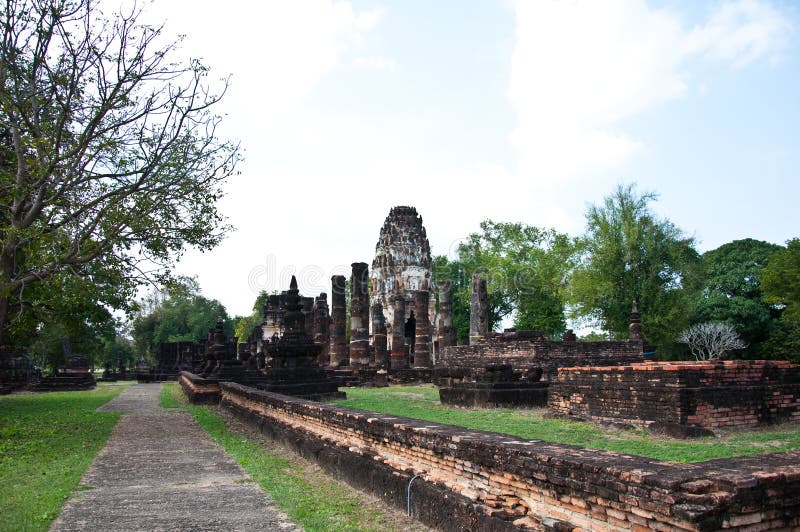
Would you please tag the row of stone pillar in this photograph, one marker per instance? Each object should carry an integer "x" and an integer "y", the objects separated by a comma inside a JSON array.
[{"x": 358, "y": 352}]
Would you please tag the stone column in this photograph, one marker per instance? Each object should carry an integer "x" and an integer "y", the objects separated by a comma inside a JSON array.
[
  {"x": 339, "y": 355},
  {"x": 322, "y": 328},
  {"x": 379, "y": 336},
  {"x": 308, "y": 314},
  {"x": 399, "y": 357},
  {"x": 478, "y": 310},
  {"x": 635, "y": 333},
  {"x": 422, "y": 343},
  {"x": 447, "y": 332},
  {"x": 359, "y": 316}
]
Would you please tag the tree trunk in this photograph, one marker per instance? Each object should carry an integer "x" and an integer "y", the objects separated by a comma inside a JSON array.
[{"x": 6, "y": 270}]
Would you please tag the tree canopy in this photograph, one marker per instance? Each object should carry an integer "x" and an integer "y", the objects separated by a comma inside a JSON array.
[
  {"x": 109, "y": 160},
  {"x": 780, "y": 282},
  {"x": 181, "y": 314},
  {"x": 525, "y": 268},
  {"x": 627, "y": 255},
  {"x": 731, "y": 291}
]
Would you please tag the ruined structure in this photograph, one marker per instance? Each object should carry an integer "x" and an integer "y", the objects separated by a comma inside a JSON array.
[
  {"x": 16, "y": 369},
  {"x": 307, "y": 304},
  {"x": 523, "y": 350},
  {"x": 379, "y": 339},
  {"x": 75, "y": 374},
  {"x": 399, "y": 355},
  {"x": 461, "y": 479},
  {"x": 708, "y": 394},
  {"x": 422, "y": 331},
  {"x": 635, "y": 331},
  {"x": 402, "y": 270},
  {"x": 292, "y": 367},
  {"x": 445, "y": 331},
  {"x": 478, "y": 310},
  {"x": 273, "y": 318},
  {"x": 339, "y": 353},
  {"x": 359, "y": 316},
  {"x": 322, "y": 328}
]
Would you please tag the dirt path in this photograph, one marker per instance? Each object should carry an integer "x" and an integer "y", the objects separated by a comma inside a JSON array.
[{"x": 160, "y": 471}]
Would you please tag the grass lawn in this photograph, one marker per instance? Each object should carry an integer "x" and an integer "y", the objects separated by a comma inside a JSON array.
[
  {"x": 422, "y": 402},
  {"x": 47, "y": 441},
  {"x": 310, "y": 498}
]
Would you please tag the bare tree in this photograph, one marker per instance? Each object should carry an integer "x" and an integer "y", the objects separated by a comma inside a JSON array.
[
  {"x": 109, "y": 159},
  {"x": 711, "y": 340}
]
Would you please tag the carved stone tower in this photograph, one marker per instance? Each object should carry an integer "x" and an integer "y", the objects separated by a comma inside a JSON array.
[{"x": 402, "y": 269}]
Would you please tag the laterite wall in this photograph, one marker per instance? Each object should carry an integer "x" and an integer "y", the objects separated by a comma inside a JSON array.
[
  {"x": 706, "y": 394},
  {"x": 473, "y": 480},
  {"x": 550, "y": 355}
]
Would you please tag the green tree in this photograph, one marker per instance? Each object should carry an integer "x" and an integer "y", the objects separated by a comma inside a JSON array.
[
  {"x": 245, "y": 324},
  {"x": 731, "y": 291},
  {"x": 628, "y": 255},
  {"x": 109, "y": 159},
  {"x": 526, "y": 269},
  {"x": 780, "y": 282},
  {"x": 181, "y": 315}
]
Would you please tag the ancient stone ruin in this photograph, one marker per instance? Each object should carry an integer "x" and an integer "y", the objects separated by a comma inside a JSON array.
[
  {"x": 75, "y": 374},
  {"x": 473, "y": 480},
  {"x": 669, "y": 396},
  {"x": 402, "y": 280},
  {"x": 284, "y": 359}
]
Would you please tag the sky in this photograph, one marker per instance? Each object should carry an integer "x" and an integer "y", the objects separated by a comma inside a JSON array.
[{"x": 515, "y": 111}]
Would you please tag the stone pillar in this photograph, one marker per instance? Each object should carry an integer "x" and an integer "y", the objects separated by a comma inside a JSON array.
[
  {"x": 447, "y": 332},
  {"x": 308, "y": 314},
  {"x": 338, "y": 352},
  {"x": 422, "y": 343},
  {"x": 478, "y": 310},
  {"x": 359, "y": 316},
  {"x": 635, "y": 333},
  {"x": 399, "y": 357},
  {"x": 322, "y": 328},
  {"x": 273, "y": 318},
  {"x": 379, "y": 336}
]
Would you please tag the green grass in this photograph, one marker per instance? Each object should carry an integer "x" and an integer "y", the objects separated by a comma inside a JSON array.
[
  {"x": 47, "y": 441},
  {"x": 312, "y": 500},
  {"x": 422, "y": 402},
  {"x": 172, "y": 396}
]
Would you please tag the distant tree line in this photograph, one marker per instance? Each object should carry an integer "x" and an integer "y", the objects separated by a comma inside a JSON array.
[{"x": 539, "y": 279}]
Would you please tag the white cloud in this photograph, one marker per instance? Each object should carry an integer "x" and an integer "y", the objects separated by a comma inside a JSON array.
[
  {"x": 742, "y": 32},
  {"x": 579, "y": 68},
  {"x": 278, "y": 51}
]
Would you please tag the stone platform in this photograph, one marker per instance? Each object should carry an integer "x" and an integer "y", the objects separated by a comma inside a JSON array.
[{"x": 708, "y": 394}]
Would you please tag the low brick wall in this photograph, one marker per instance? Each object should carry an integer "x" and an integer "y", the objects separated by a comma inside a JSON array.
[
  {"x": 705, "y": 394},
  {"x": 524, "y": 353},
  {"x": 198, "y": 389},
  {"x": 473, "y": 480}
]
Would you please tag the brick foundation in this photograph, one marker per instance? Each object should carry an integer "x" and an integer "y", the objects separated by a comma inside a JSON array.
[
  {"x": 523, "y": 352},
  {"x": 704, "y": 394},
  {"x": 198, "y": 389},
  {"x": 473, "y": 480}
]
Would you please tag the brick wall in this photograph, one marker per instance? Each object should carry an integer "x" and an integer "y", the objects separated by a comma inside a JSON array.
[
  {"x": 198, "y": 389},
  {"x": 524, "y": 353},
  {"x": 705, "y": 394},
  {"x": 473, "y": 480}
]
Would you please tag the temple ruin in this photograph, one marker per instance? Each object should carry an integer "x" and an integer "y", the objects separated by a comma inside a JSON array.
[{"x": 402, "y": 280}]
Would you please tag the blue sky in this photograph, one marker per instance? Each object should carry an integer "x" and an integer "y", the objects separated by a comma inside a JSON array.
[{"x": 516, "y": 111}]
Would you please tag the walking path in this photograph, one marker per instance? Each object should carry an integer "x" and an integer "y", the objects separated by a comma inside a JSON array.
[{"x": 160, "y": 471}]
